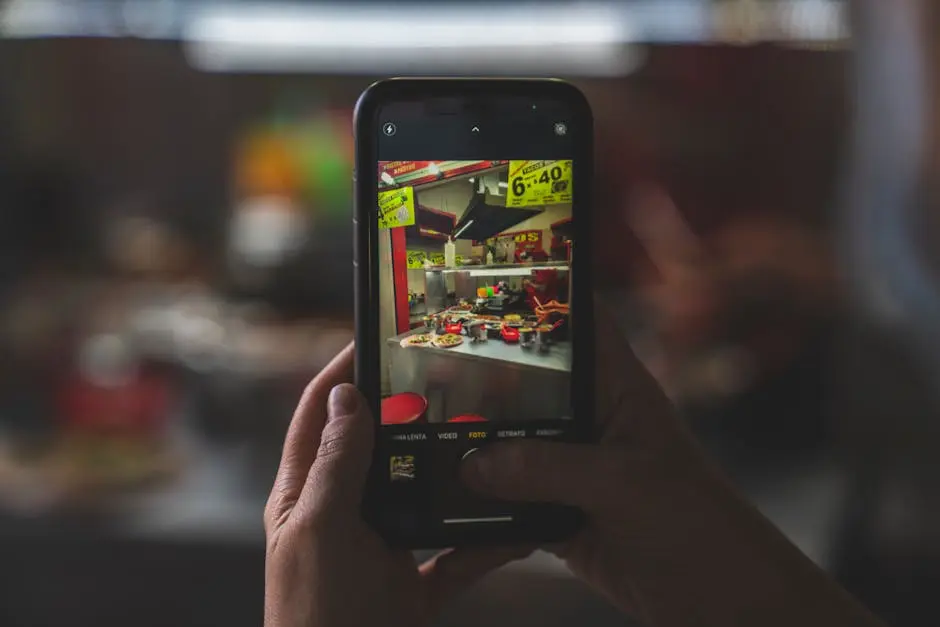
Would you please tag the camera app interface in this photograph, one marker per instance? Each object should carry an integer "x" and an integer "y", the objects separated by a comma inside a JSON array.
[{"x": 474, "y": 281}]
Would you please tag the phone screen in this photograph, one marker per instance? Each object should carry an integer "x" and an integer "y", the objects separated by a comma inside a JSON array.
[{"x": 475, "y": 220}]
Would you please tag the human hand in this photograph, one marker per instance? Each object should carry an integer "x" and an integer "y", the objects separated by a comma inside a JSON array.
[
  {"x": 728, "y": 307},
  {"x": 628, "y": 484},
  {"x": 667, "y": 539},
  {"x": 325, "y": 567}
]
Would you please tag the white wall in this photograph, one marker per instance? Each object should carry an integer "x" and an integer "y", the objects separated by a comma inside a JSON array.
[
  {"x": 544, "y": 221},
  {"x": 452, "y": 197}
]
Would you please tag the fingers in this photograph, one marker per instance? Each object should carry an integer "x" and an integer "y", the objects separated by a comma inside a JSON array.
[
  {"x": 631, "y": 404},
  {"x": 662, "y": 230},
  {"x": 539, "y": 471},
  {"x": 338, "y": 475},
  {"x": 303, "y": 434},
  {"x": 449, "y": 573}
]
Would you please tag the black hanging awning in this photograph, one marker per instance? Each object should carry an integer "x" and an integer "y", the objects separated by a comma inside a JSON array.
[{"x": 482, "y": 221}]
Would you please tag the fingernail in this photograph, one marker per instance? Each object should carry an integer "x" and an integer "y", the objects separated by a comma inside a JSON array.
[
  {"x": 476, "y": 469},
  {"x": 344, "y": 401}
]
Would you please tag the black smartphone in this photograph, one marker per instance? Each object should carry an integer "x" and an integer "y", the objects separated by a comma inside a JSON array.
[{"x": 474, "y": 309}]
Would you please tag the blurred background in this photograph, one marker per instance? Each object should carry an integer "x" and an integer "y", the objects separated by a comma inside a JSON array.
[{"x": 175, "y": 251}]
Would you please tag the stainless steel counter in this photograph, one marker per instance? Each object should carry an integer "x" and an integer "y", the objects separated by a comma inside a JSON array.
[
  {"x": 558, "y": 357},
  {"x": 500, "y": 381}
]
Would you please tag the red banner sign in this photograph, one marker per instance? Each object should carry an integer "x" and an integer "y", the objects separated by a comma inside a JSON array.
[
  {"x": 414, "y": 173},
  {"x": 400, "y": 168},
  {"x": 530, "y": 241}
]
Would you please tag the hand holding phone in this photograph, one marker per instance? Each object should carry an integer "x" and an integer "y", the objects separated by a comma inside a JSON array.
[
  {"x": 666, "y": 537},
  {"x": 325, "y": 566}
]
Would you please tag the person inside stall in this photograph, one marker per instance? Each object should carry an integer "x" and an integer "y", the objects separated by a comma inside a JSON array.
[
  {"x": 524, "y": 255},
  {"x": 542, "y": 287}
]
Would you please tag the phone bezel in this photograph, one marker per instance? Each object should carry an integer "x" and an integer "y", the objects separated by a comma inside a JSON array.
[{"x": 537, "y": 523}]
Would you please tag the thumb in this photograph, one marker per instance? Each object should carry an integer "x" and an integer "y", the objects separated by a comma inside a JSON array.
[
  {"x": 539, "y": 471},
  {"x": 338, "y": 474}
]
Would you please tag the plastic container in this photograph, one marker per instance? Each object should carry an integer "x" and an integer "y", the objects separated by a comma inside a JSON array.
[{"x": 450, "y": 254}]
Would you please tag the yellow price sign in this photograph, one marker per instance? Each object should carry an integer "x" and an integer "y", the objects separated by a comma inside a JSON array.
[
  {"x": 416, "y": 259},
  {"x": 396, "y": 208},
  {"x": 536, "y": 183},
  {"x": 527, "y": 237},
  {"x": 437, "y": 259}
]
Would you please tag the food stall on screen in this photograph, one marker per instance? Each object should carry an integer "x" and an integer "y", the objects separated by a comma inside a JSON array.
[{"x": 474, "y": 290}]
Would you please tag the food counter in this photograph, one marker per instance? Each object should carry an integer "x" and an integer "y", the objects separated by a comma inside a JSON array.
[{"x": 503, "y": 382}]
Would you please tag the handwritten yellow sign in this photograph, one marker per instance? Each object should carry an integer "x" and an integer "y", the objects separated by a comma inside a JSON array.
[
  {"x": 416, "y": 259},
  {"x": 396, "y": 208},
  {"x": 536, "y": 183}
]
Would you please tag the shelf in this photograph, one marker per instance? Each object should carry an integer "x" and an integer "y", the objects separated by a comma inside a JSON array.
[{"x": 503, "y": 269}]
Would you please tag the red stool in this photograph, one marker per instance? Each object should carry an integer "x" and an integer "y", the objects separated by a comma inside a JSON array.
[
  {"x": 468, "y": 418},
  {"x": 404, "y": 408}
]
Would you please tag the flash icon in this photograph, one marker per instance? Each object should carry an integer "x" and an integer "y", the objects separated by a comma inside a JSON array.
[{"x": 561, "y": 129}]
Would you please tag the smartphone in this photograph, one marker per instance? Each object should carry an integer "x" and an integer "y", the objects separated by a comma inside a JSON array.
[{"x": 474, "y": 309}]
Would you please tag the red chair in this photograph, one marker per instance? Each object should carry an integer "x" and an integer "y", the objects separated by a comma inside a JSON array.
[
  {"x": 405, "y": 408},
  {"x": 468, "y": 418}
]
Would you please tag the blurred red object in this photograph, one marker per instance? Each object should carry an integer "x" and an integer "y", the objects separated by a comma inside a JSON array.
[
  {"x": 140, "y": 405},
  {"x": 404, "y": 408},
  {"x": 509, "y": 334},
  {"x": 468, "y": 418}
]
